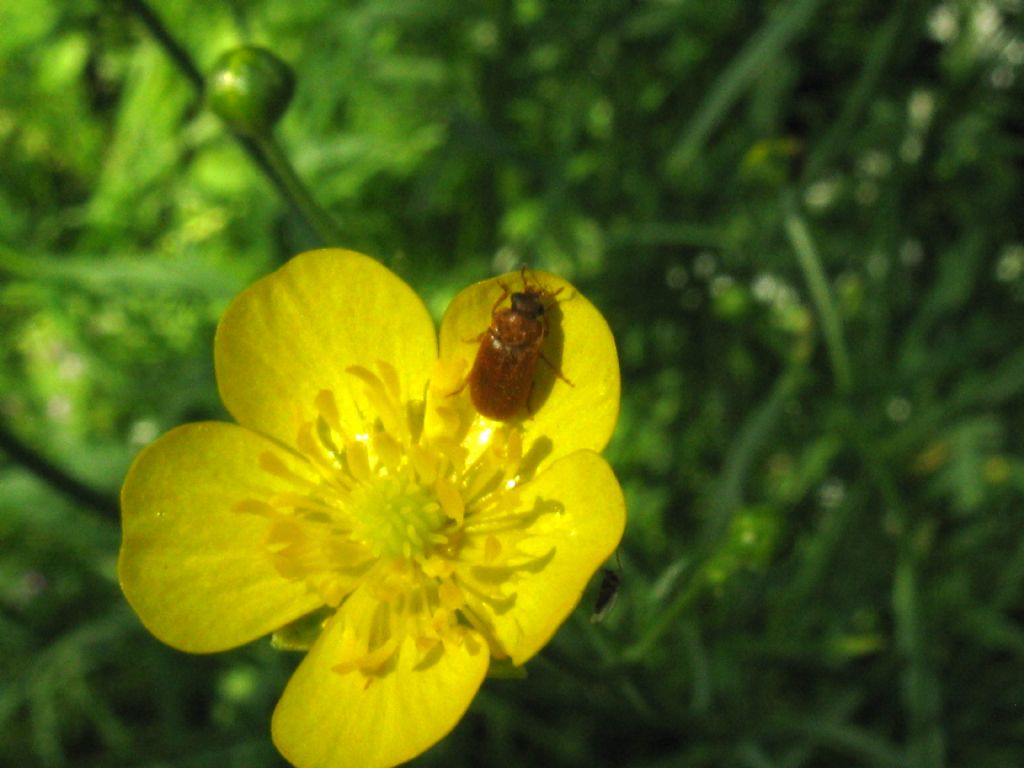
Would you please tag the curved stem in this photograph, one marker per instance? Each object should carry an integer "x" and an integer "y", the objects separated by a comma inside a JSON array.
[
  {"x": 282, "y": 173},
  {"x": 171, "y": 46},
  {"x": 665, "y": 621},
  {"x": 807, "y": 256},
  {"x": 56, "y": 477}
]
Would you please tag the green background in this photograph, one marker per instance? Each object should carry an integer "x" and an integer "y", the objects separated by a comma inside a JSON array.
[{"x": 804, "y": 222}]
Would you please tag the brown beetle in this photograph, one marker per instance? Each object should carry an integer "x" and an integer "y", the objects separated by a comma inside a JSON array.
[{"x": 501, "y": 379}]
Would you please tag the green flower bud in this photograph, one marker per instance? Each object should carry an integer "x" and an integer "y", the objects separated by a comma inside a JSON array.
[{"x": 250, "y": 89}]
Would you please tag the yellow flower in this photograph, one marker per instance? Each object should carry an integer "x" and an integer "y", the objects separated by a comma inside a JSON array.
[{"x": 357, "y": 486}]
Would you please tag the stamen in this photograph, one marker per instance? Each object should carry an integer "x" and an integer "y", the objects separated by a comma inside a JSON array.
[
  {"x": 451, "y": 500},
  {"x": 370, "y": 662},
  {"x": 326, "y": 438},
  {"x": 425, "y": 644},
  {"x": 313, "y": 449},
  {"x": 451, "y": 596},
  {"x": 424, "y": 463},
  {"x": 333, "y": 591},
  {"x": 390, "y": 378},
  {"x": 358, "y": 460},
  {"x": 377, "y": 394},
  {"x": 413, "y": 534},
  {"x": 451, "y": 450},
  {"x": 483, "y": 473},
  {"x": 492, "y": 548},
  {"x": 513, "y": 455},
  {"x": 273, "y": 465},
  {"x": 327, "y": 407},
  {"x": 449, "y": 418},
  {"x": 495, "y": 599},
  {"x": 295, "y": 501},
  {"x": 388, "y": 450},
  {"x": 254, "y": 507}
]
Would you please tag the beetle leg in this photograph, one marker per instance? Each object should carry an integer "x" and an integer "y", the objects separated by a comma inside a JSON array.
[
  {"x": 504, "y": 295},
  {"x": 529, "y": 398},
  {"x": 462, "y": 386},
  {"x": 555, "y": 368},
  {"x": 478, "y": 338},
  {"x": 465, "y": 381}
]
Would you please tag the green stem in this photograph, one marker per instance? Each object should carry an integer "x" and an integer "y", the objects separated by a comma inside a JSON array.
[
  {"x": 665, "y": 621},
  {"x": 807, "y": 256},
  {"x": 56, "y": 477},
  {"x": 282, "y": 173},
  {"x": 756, "y": 433},
  {"x": 264, "y": 150},
  {"x": 887, "y": 38},
  {"x": 171, "y": 46},
  {"x": 750, "y": 64}
]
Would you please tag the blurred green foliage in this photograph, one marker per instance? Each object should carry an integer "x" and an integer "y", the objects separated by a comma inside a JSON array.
[{"x": 803, "y": 221}]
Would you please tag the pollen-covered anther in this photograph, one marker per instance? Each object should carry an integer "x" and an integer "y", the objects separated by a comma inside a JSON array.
[
  {"x": 327, "y": 407},
  {"x": 438, "y": 566},
  {"x": 492, "y": 549},
  {"x": 370, "y": 662},
  {"x": 388, "y": 450},
  {"x": 300, "y": 503},
  {"x": 273, "y": 465},
  {"x": 513, "y": 457},
  {"x": 357, "y": 460},
  {"x": 451, "y": 500},
  {"x": 425, "y": 463},
  {"x": 254, "y": 507},
  {"x": 384, "y": 395},
  {"x": 451, "y": 596}
]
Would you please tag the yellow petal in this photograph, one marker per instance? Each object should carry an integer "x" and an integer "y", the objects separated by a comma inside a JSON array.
[
  {"x": 295, "y": 332},
  {"x": 561, "y": 418},
  {"x": 567, "y": 546},
  {"x": 193, "y": 563},
  {"x": 332, "y": 719}
]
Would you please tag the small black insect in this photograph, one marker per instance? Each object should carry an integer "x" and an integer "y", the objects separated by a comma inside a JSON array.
[{"x": 611, "y": 580}]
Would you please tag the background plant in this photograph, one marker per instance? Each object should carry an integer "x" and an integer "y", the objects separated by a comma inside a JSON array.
[{"x": 801, "y": 218}]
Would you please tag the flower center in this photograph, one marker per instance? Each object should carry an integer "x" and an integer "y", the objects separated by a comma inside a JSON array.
[
  {"x": 405, "y": 505},
  {"x": 396, "y": 518}
]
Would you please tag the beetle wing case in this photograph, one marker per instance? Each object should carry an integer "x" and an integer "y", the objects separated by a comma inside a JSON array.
[{"x": 502, "y": 376}]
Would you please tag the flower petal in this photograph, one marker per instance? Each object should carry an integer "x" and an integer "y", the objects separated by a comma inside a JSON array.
[
  {"x": 330, "y": 719},
  {"x": 196, "y": 571},
  {"x": 565, "y": 418},
  {"x": 568, "y": 546},
  {"x": 294, "y": 334}
]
